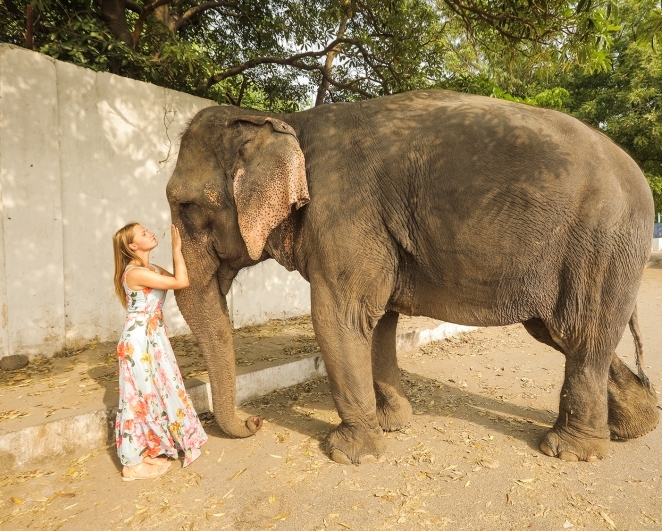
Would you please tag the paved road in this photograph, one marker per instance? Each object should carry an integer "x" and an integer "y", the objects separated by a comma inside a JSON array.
[{"x": 468, "y": 461}]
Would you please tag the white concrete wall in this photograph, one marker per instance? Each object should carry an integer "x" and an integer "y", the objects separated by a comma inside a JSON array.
[
  {"x": 265, "y": 292},
  {"x": 81, "y": 154}
]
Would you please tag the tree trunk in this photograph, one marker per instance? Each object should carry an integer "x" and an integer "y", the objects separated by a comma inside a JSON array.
[
  {"x": 328, "y": 64},
  {"x": 113, "y": 13},
  {"x": 29, "y": 28},
  {"x": 163, "y": 14}
]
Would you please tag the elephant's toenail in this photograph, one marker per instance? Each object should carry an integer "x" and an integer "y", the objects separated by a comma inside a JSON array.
[
  {"x": 546, "y": 449},
  {"x": 340, "y": 457},
  {"x": 367, "y": 459},
  {"x": 568, "y": 456}
]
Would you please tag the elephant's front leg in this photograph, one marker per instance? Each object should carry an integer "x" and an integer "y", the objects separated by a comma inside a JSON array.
[
  {"x": 393, "y": 408},
  {"x": 345, "y": 341}
]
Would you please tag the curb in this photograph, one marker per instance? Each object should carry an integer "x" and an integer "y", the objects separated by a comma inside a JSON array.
[{"x": 92, "y": 430}]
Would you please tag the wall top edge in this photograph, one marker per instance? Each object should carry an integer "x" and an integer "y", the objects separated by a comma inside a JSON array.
[
  {"x": 11, "y": 48},
  {"x": 6, "y": 48}
]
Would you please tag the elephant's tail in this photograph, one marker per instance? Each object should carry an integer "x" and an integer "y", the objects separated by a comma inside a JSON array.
[{"x": 638, "y": 348}]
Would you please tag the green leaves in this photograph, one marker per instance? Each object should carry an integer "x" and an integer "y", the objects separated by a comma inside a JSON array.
[
  {"x": 597, "y": 59},
  {"x": 246, "y": 53},
  {"x": 625, "y": 101}
]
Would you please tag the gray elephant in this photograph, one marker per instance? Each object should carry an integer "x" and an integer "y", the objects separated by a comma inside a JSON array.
[{"x": 462, "y": 208}]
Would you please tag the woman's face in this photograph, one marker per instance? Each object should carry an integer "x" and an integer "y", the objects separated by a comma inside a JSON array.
[{"x": 143, "y": 240}]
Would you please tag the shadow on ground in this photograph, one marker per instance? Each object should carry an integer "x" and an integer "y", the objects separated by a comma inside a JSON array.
[{"x": 304, "y": 407}]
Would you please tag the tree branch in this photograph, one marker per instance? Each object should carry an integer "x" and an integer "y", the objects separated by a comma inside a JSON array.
[
  {"x": 461, "y": 9},
  {"x": 328, "y": 63},
  {"x": 113, "y": 14},
  {"x": 132, "y": 6},
  {"x": 147, "y": 10},
  {"x": 251, "y": 63},
  {"x": 192, "y": 12},
  {"x": 294, "y": 61},
  {"x": 29, "y": 27},
  {"x": 242, "y": 90}
]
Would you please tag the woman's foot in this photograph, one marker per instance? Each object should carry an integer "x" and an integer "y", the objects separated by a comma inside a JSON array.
[
  {"x": 142, "y": 471},
  {"x": 158, "y": 461}
]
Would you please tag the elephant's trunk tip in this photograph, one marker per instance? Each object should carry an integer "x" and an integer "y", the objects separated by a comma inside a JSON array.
[{"x": 238, "y": 429}]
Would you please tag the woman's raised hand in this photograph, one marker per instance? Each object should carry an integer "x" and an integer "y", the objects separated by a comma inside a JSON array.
[{"x": 176, "y": 240}]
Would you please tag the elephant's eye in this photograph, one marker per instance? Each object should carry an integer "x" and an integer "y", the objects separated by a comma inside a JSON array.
[
  {"x": 244, "y": 145},
  {"x": 192, "y": 215}
]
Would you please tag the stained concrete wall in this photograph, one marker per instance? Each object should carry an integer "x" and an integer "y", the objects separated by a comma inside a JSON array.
[{"x": 81, "y": 154}]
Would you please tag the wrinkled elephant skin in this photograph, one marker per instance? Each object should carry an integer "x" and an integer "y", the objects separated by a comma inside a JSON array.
[{"x": 462, "y": 208}]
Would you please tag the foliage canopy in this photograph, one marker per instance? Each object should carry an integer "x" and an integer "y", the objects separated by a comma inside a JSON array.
[
  {"x": 625, "y": 101},
  {"x": 600, "y": 60},
  {"x": 282, "y": 54}
]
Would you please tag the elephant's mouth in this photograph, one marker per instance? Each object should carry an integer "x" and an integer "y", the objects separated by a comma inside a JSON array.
[{"x": 225, "y": 274}]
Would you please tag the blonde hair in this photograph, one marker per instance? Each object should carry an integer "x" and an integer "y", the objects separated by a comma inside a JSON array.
[{"x": 123, "y": 255}]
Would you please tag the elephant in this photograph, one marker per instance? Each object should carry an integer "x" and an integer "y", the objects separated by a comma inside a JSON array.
[{"x": 459, "y": 207}]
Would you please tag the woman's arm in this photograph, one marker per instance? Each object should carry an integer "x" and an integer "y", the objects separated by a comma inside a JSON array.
[
  {"x": 164, "y": 272},
  {"x": 138, "y": 278}
]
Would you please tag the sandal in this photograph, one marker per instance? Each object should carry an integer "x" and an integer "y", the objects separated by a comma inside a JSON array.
[{"x": 159, "y": 471}]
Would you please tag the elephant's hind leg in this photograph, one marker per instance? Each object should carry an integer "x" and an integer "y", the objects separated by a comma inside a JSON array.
[
  {"x": 562, "y": 441},
  {"x": 539, "y": 331},
  {"x": 393, "y": 408},
  {"x": 632, "y": 405},
  {"x": 580, "y": 432}
]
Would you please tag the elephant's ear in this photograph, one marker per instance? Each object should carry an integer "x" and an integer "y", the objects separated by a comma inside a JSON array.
[{"x": 265, "y": 189}]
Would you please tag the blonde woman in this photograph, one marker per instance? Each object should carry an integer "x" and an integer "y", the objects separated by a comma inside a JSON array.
[{"x": 155, "y": 417}]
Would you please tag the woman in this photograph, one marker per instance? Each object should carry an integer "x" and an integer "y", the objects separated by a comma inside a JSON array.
[{"x": 155, "y": 416}]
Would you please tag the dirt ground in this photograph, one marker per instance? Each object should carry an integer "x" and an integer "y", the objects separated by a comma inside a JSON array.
[{"x": 469, "y": 460}]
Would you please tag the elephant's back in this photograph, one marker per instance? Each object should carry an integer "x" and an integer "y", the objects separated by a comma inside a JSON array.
[
  {"x": 471, "y": 163},
  {"x": 475, "y": 154},
  {"x": 459, "y": 132}
]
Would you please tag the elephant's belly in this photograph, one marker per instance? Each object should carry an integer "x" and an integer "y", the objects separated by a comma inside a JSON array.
[{"x": 465, "y": 303}]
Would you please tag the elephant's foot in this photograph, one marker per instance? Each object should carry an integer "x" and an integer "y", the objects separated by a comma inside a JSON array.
[
  {"x": 561, "y": 444},
  {"x": 353, "y": 445},
  {"x": 393, "y": 409},
  {"x": 632, "y": 406}
]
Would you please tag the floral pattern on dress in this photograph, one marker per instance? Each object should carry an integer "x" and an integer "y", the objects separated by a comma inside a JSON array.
[{"x": 155, "y": 414}]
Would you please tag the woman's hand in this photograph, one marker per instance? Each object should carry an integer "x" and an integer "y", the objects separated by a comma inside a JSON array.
[
  {"x": 180, "y": 271},
  {"x": 176, "y": 240}
]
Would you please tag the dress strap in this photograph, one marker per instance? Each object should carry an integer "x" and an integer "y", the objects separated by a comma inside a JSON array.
[
  {"x": 155, "y": 269},
  {"x": 128, "y": 266}
]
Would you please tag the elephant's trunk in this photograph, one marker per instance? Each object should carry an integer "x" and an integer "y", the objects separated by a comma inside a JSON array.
[{"x": 205, "y": 309}]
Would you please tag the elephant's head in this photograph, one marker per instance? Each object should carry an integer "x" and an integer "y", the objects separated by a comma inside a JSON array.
[{"x": 236, "y": 179}]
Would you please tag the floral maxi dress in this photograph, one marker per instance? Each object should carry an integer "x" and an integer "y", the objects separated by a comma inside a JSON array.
[{"x": 155, "y": 413}]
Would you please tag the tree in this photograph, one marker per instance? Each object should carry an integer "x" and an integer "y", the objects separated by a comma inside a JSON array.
[
  {"x": 625, "y": 101},
  {"x": 276, "y": 54}
]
